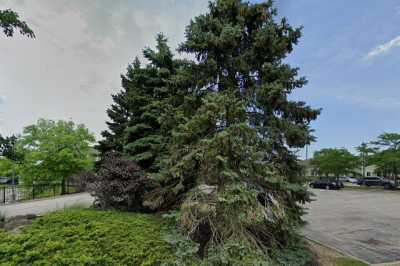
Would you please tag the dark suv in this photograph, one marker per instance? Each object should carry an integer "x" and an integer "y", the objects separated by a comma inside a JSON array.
[
  {"x": 371, "y": 181},
  {"x": 378, "y": 181},
  {"x": 326, "y": 184}
]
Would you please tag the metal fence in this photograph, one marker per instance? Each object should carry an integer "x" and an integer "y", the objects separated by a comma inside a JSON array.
[{"x": 15, "y": 193}]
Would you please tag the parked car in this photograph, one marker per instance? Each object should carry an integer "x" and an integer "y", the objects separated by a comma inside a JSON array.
[
  {"x": 349, "y": 179},
  {"x": 378, "y": 181},
  {"x": 390, "y": 184},
  {"x": 7, "y": 181},
  {"x": 371, "y": 181},
  {"x": 327, "y": 184},
  {"x": 352, "y": 180},
  {"x": 4, "y": 180}
]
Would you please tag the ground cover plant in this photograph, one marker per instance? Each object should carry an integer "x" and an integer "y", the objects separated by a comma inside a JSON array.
[{"x": 88, "y": 237}]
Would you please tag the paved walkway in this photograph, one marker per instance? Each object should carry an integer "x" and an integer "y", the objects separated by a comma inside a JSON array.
[
  {"x": 42, "y": 206},
  {"x": 364, "y": 224}
]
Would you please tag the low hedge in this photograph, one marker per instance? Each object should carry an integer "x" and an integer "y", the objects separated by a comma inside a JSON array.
[{"x": 88, "y": 237}]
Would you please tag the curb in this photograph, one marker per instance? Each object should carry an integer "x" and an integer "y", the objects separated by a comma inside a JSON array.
[{"x": 342, "y": 252}]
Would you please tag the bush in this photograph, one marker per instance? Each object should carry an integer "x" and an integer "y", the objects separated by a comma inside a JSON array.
[
  {"x": 121, "y": 184},
  {"x": 298, "y": 256},
  {"x": 81, "y": 180},
  {"x": 88, "y": 237}
]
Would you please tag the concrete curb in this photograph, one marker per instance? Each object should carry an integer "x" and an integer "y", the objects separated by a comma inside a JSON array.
[
  {"x": 397, "y": 263},
  {"x": 340, "y": 251}
]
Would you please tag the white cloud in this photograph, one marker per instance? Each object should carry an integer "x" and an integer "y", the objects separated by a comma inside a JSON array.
[{"x": 384, "y": 48}]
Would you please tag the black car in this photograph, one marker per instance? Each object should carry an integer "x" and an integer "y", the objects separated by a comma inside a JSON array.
[
  {"x": 378, "y": 181},
  {"x": 327, "y": 184},
  {"x": 390, "y": 184},
  {"x": 8, "y": 181},
  {"x": 371, "y": 181}
]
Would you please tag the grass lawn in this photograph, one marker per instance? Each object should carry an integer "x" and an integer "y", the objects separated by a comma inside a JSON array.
[
  {"x": 348, "y": 262},
  {"x": 373, "y": 189},
  {"x": 87, "y": 237}
]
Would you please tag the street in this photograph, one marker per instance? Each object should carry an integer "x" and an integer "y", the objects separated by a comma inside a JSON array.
[{"x": 42, "y": 206}]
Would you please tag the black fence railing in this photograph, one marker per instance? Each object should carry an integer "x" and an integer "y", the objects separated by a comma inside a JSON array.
[{"x": 15, "y": 193}]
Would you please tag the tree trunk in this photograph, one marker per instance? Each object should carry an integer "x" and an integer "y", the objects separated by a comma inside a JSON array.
[{"x": 63, "y": 183}]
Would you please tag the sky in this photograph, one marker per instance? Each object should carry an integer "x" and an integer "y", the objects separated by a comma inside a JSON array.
[{"x": 349, "y": 52}]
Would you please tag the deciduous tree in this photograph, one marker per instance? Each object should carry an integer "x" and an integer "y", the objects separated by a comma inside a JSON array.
[
  {"x": 334, "y": 162},
  {"x": 54, "y": 150},
  {"x": 8, "y": 148},
  {"x": 387, "y": 154}
]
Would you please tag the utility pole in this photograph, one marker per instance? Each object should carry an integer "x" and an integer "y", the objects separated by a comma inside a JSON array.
[
  {"x": 306, "y": 152},
  {"x": 13, "y": 176}
]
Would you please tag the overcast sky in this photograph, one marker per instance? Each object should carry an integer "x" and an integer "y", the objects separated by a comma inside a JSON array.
[
  {"x": 350, "y": 53},
  {"x": 82, "y": 46}
]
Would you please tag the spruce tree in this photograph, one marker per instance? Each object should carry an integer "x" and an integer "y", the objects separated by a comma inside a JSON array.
[
  {"x": 220, "y": 130},
  {"x": 234, "y": 152},
  {"x": 135, "y": 128},
  {"x": 241, "y": 47}
]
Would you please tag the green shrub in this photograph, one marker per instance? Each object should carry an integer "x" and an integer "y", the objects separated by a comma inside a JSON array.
[
  {"x": 295, "y": 256},
  {"x": 88, "y": 237},
  {"x": 120, "y": 184}
]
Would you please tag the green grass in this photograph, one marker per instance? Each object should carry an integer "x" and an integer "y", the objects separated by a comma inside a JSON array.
[
  {"x": 348, "y": 262},
  {"x": 88, "y": 237},
  {"x": 374, "y": 189}
]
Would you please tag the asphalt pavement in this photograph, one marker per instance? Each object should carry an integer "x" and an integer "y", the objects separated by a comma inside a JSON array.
[
  {"x": 42, "y": 206},
  {"x": 362, "y": 223}
]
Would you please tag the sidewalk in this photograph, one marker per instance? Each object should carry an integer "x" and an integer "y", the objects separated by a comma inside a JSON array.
[{"x": 42, "y": 206}]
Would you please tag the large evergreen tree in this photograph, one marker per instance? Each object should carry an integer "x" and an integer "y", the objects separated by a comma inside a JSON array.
[
  {"x": 221, "y": 131},
  {"x": 240, "y": 47},
  {"x": 234, "y": 150},
  {"x": 135, "y": 115}
]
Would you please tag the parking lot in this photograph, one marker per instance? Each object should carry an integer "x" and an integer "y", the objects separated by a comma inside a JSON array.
[{"x": 361, "y": 223}]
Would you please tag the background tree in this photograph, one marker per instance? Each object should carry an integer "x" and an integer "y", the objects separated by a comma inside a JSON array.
[
  {"x": 334, "y": 162},
  {"x": 8, "y": 148},
  {"x": 10, "y": 21},
  {"x": 11, "y": 158},
  {"x": 365, "y": 153},
  {"x": 54, "y": 150},
  {"x": 388, "y": 141},
  {"x": 6, "y": 167},
  {"x": 387, "y": 154}
]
